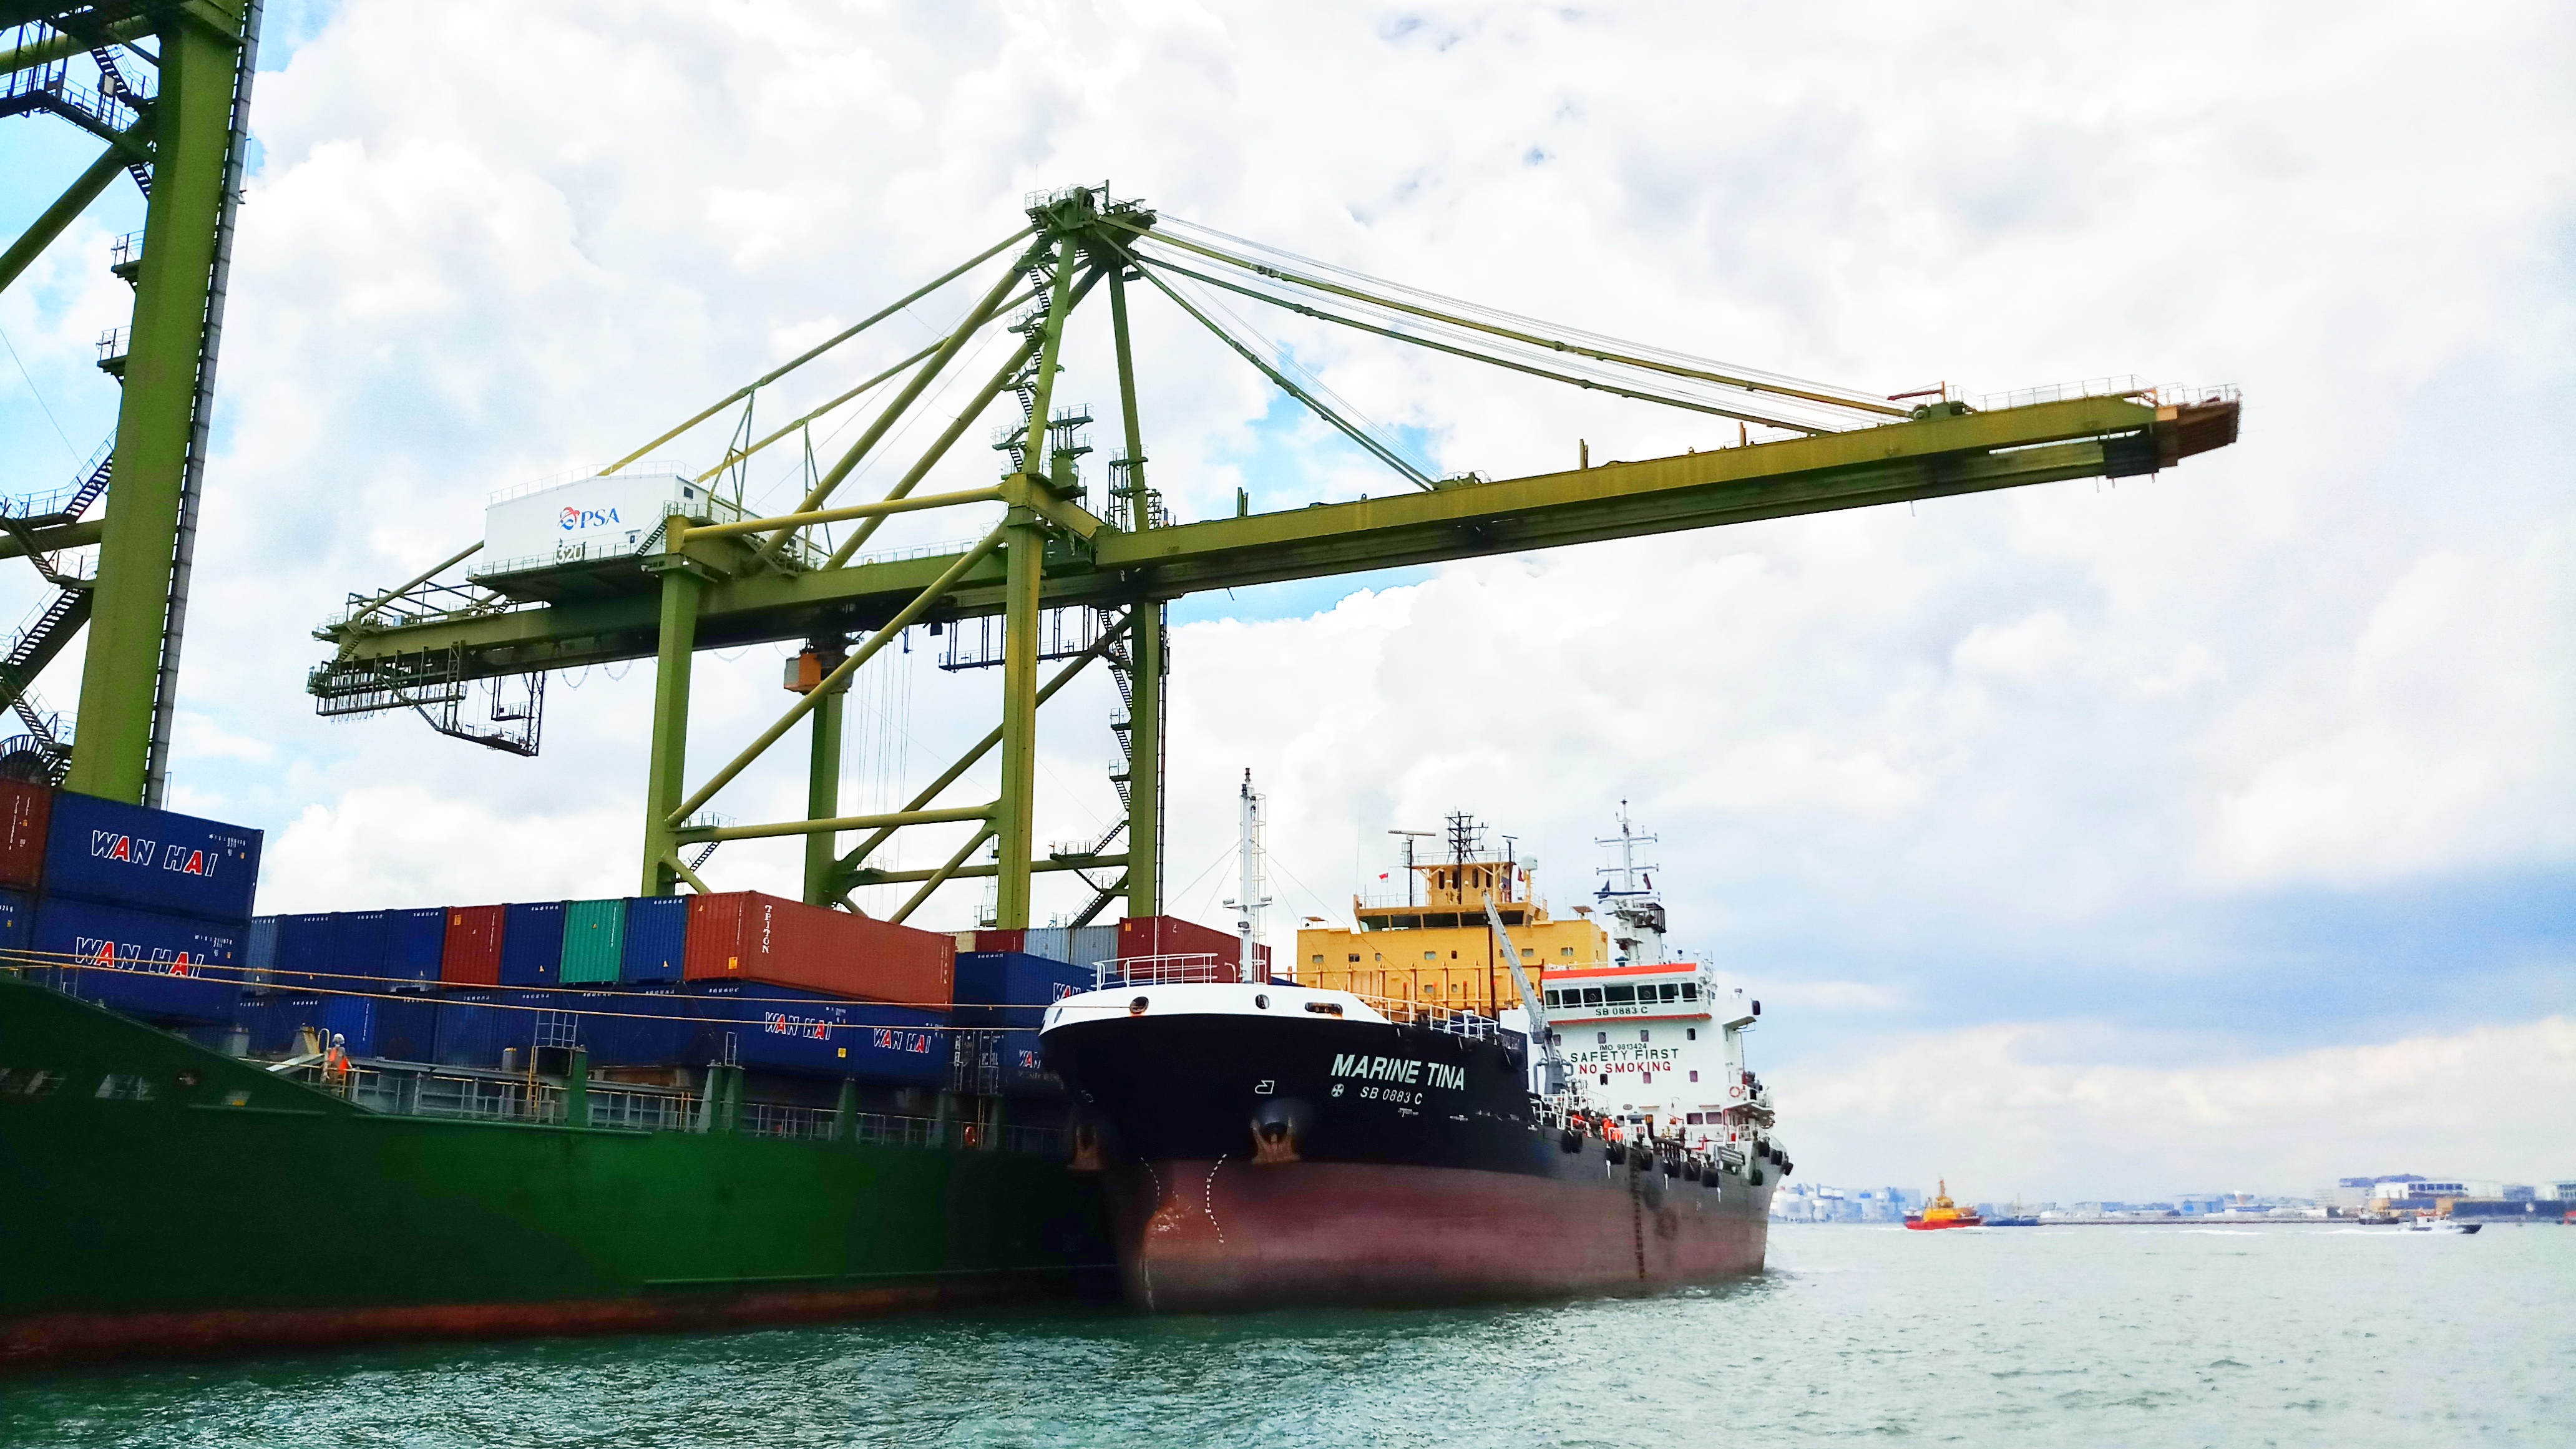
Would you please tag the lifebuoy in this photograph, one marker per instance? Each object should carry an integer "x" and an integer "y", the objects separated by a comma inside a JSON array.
[{"x": 1736, "y": 1091}]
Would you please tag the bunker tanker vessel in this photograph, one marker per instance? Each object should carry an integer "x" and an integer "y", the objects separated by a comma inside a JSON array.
[{"x": 1387, "y": 1128}]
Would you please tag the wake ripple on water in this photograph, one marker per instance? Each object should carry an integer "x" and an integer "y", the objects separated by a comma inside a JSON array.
[{"x": 2097, "y": 1338}]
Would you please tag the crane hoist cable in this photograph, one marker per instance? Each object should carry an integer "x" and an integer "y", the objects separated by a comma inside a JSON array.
[{"x": 1316, "y": 275}]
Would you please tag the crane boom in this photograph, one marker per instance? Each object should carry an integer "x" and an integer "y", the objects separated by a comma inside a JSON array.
[{"x": 1541, "y": 1039}]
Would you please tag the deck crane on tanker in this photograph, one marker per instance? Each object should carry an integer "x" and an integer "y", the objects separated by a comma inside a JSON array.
[{"x": 708, "y": 575}]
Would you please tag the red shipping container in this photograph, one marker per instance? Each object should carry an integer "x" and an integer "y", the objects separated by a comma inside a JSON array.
[
  {"x": 999, "y": 940},
  {"x": 1172, "y": 936},
  {"x": 747, "y": 936},
  {"x": 26, "y": 809},
  {"x": 472, "y": 956}
]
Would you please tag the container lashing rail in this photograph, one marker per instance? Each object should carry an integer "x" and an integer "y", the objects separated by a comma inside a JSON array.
[{"x": 473, "y": 1094}]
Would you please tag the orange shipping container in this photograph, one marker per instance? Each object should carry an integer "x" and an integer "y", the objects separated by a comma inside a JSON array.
[
  {"x": 748, "y": 936},
  {"x": 471, "y": 955}
]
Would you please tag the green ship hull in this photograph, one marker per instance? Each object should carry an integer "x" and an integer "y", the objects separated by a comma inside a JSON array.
[{"x": 160, "y": 1198}]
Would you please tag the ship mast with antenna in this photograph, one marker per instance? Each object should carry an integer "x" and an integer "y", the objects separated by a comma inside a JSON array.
[
  {"x": 1636, "y": 914},
  {"x": 1249, "y": 895}
]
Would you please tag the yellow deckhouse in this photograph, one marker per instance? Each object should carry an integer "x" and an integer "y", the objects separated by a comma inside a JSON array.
[{"x": 1431, "y": 944}]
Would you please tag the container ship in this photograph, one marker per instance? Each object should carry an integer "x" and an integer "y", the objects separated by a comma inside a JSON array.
[
  {"x": 224, "y": 1131},
  {"x": 1462, "y": 1099}
]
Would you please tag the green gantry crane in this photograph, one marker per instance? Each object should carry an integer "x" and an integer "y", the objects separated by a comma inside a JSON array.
[
  {"x": 709, "y": 577},
  {"x": 171, "y": 103}
]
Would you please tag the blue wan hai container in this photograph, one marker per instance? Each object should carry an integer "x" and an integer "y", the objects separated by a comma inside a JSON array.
[
  {"x": 154, "y": 860},
  {"x": 779, "y": 1029},
  {"x": 1014, "y": 988},
  {"x": 169, "y": 969}
]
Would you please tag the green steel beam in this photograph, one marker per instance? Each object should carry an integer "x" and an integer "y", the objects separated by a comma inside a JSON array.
[
  {"x": 666, "y": 774},
  {"x": 75, "y": 199},
  {"x": 673, "y": 819},
  {"x": 858, "y": 858},
  {"x": 1144, "y": 883},
  {"x": 192, "y": 125},
  {"x": 60, "y": 45},
  {"x": 1024, "y": 562},
  {"x": 931, "y": 881},
  {"x": 826, "y": 345},
  {"x": 981, "y": 313},
  {"x": 825, "y": 825},
  {"x": 1901, "y": 462},
  {"x": 1040, "y": 866},
  {"x": 823, "y": 799},
  {"x": 55, "y": 539},
  {"x": 839, "y": 515}
]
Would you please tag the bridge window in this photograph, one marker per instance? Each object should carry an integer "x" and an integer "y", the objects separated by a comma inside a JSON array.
[
  {"x": 1619, "y": 995},
  {"x": 1592, "y": 996},
  {"x": 1565, "y": 951},
  {"x": 1672, "y": 992},
  {"x": 1690, "y": 991}
]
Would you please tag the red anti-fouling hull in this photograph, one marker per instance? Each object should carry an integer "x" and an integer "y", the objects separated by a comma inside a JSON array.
[{"x": 1224, "y": 1235}]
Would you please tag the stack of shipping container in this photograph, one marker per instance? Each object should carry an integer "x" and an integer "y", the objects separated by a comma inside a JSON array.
[
  {"x": 143, "y": 910},
  {"x": 149, "y": 912}
]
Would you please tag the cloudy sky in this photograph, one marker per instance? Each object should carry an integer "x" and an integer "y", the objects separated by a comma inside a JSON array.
[{"x": 2210, "y": 831}]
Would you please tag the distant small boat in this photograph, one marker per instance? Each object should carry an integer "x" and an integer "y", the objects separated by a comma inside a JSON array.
[
  {"x": 2442, "y": 1225},
  {"x": 1943, "y": 1213}
]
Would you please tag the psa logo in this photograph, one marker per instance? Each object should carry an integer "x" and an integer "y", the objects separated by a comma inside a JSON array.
[
  {"x": 891, "y": 1040},
  {"x": 573, "y": 520},
  {"x": 108, "y": 845}
]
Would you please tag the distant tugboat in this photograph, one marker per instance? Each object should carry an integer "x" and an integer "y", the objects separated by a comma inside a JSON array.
[{"x": 1943, "y": 1213}]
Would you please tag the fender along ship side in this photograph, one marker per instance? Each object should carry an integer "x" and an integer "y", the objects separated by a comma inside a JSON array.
[{"x": 1271, "y": 1142}]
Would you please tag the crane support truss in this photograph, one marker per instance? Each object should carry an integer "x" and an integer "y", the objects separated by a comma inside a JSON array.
[
  {"x": 726, "y": 583},
  {"x": 181, "y": 137}
]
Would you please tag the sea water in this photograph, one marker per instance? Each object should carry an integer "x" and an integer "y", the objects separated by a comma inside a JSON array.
[{"x": 2166, "y": 1336}]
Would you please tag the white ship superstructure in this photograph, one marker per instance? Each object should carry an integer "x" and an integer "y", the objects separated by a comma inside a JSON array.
[{"x": 1652, "y": 1039}]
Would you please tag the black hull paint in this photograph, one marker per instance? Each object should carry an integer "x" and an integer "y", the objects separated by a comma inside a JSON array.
[{"x": 1257, "y": 1162}]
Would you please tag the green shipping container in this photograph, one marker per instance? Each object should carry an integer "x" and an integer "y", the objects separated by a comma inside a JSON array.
[{"x": 594, "y": 942}]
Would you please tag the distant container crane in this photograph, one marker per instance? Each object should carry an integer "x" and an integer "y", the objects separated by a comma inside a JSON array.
[{"x": 686, "y": 569}]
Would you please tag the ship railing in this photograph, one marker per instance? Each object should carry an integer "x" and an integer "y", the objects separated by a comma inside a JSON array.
[
  {"x": 491, "y": 1097},
  {"x": 1194, "y": 968},
  {"x": 1473, "y": 1025}
]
